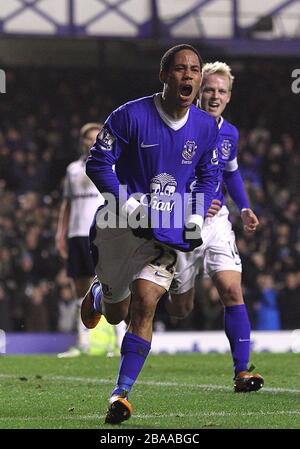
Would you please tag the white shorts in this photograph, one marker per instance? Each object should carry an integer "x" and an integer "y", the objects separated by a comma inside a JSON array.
[
  {"x": 218, "y": 253},
  {"x": 123, "y": 258}
]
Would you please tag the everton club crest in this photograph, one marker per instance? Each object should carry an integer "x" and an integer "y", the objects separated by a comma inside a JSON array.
[
  {"x": 226, "y": 148},
  {"x": 189, "y": 151}
]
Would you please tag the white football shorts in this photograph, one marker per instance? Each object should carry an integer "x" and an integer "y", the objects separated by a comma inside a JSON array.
[
  {"x": 123, "y": 258},
  {"x": 218, "y": 253}
]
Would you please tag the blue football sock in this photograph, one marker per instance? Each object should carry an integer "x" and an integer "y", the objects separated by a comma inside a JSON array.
[
  {"x": 134, "y": 351},
  {"x": 237, "y": 329},
  {"x": 97, "y": 296}
]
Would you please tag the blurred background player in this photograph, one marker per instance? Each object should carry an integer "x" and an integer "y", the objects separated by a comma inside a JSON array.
[
  {"x": 221, "y": 258},
  {"x": 81, "y": 200}
]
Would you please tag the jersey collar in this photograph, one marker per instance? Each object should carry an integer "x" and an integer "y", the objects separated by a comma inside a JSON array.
[{"x": 174, "y": 124}]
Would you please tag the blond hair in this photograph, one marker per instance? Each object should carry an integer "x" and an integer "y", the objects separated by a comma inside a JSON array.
[
  {"x": 84, "y": 130},
  {"x": 217, "y": 67},
  {"x": 88, "y": 127}
]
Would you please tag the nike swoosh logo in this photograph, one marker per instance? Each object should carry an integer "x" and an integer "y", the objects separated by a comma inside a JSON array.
[
  {"x": 244, "y": 339},
  {"x": 144, "y": 145},
  {"x": 157, "y": 273}
]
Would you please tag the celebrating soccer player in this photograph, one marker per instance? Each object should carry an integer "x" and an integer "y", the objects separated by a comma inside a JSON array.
[
  {"x": 219, "y": 253},
  {"x": 156, "y": 144}
]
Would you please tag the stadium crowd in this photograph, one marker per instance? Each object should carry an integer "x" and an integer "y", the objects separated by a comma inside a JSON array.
[{"x": 40, "y": 118}]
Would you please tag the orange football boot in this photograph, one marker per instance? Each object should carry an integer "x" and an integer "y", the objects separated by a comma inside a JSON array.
[
  {"x": 89, "y": 316},
  {"x": 246, "y": 381},
  {"x": 119, "y": 410}
]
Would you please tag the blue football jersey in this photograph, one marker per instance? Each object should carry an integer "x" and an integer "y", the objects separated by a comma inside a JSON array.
[
  {"x": 229, "y": 173},
  {"x": 155, "y": 158},
  {"x": 227, "y": 151}
]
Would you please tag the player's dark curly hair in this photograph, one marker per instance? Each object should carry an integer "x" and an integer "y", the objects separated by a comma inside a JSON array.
[{"x": 168, "y": 57}]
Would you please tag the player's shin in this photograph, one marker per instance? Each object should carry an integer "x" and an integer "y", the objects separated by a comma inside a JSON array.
[
  {"x": 237, "y": 329},
  {"x": 134, "y": 351}
]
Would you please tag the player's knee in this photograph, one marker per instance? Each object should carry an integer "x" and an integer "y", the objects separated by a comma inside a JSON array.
[
  {"x": 183, "y": 311},
  {"x": 181, "y": 306},
  {"x": 143, "y": 306},
  {"x": 232, "y": 294}
]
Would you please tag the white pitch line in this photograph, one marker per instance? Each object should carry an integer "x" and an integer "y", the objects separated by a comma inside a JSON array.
[
  {"x": 150, "y": 383},
  {"x": 157, "y": 415}
]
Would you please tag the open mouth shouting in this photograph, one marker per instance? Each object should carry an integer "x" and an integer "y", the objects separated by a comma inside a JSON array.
[{"x": 185, "y": 91}]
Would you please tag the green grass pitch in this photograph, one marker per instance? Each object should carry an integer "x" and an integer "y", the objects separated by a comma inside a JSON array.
[{"x": 187, "y": 391}]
